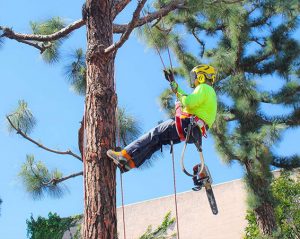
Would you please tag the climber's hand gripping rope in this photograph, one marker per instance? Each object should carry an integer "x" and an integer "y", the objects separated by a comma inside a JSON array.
[{"x": 170, "y": 77}]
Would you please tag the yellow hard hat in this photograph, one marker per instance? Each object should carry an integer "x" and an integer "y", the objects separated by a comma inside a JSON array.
[{"x": 202, "y": 73}]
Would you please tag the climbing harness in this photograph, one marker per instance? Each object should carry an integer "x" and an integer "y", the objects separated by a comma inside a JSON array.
[
  {"x": 194, "y": 122},
  {"x": 179, "y": 115}
]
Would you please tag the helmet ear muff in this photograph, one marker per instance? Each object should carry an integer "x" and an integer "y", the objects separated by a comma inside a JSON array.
[{"x": 201, "y": 78}]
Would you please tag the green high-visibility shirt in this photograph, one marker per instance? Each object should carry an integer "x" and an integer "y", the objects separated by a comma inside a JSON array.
[{"x": 202, "y": 103}]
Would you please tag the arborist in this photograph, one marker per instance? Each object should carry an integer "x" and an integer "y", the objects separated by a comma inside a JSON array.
[{"x": 199, "y": 107}]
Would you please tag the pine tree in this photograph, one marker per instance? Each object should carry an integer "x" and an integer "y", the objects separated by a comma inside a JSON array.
[
  {"x": 100, "y": 104},
  {"x": 247, "y": 42}
]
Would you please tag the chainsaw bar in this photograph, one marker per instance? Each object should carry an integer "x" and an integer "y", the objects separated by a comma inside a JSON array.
[{"x": 211, "y": 199}]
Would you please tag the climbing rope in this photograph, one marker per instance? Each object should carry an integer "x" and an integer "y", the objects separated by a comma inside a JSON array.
[
  {"x": 175, "y": 191},
  {"x": 168, "y": 50},
  {"x": 121, "y": 176},
  {"x": 83, "y": 153},
  {"x": 155, "y": 44},
  {"x": 123, "y": 207},
  {"x": 172, "y": 151}
]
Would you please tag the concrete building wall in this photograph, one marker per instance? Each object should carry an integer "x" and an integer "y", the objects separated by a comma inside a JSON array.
[{"x": 196, "y": 220}]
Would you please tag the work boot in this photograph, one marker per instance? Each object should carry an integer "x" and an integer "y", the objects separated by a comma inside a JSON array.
[{"x": 121, "y": 159}]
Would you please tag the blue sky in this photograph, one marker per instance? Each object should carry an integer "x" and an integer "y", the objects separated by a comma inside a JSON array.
[{"x": 58, "y": 112}]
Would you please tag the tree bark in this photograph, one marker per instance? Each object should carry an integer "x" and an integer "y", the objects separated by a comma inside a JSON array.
[
  {"x": 99, "y": 172},
  {"x": 264, "y": 213},
  {"x": 265, "y": 218}
]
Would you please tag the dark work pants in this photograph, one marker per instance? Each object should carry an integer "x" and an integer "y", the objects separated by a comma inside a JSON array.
[{"x": 142, "y": 149}]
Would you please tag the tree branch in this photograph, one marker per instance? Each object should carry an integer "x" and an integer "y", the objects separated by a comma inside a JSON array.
[
  {"x": 36, "y": 45},
  {"x": 251, "y": 61},
  {"x": 55, "y": 181},
  {"x": 291, "y": 120},
  {"x": 117, "y": 28},
  {"x": 286, "y": 162},
  {"x": 286, "y": 95},
  {"x": 9, "y": 33},
  {"x": 199, "y": 41},
  {"x": 129, "y": 29},
  {"x": 259, "y": 21},
  {"x": 69, "y": 152},
  {"x": 119, "y": 6},
  {"x": 256, "y": 40}
]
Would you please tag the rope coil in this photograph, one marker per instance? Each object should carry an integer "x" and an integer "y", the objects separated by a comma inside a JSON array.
[{"x": 183, "y": 151}]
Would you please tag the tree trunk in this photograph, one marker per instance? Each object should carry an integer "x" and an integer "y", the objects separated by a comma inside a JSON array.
[
  {"x": 260, "y": 186},
  {"x": 99, "y": 172},
  {"x": 265, "y": 218}
]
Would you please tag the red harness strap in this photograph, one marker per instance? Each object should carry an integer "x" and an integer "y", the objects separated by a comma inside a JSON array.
[{"x": 178, "y": 121}]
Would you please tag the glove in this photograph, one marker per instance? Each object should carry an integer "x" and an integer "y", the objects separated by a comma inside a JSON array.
[
  {"x": 169, "y": 75},
  {"x": 174, "y": 86}
]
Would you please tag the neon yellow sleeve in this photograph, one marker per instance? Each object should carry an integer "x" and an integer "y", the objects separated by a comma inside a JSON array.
[
  {"x": 194, "y": 99},
  {"x": 180, "y": 91}
]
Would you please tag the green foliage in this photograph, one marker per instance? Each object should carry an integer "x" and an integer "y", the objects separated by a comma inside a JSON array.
[
  {"x": 161, "y": 231},
  {"x": 128, "y": 128},
  {"x": 51, "y": 54},
  {"x": 22, "y": 118},
  {"x": 286, "y": 192},
  {"x": 251, "y": 231},
  {"x": 288, "y": 162},
  {"x": 52, "y": 227},
  {"x": 166, "y": 101},
  {"x": 76, "y": 72},
  {"x": 39, "y": 181},
  {"x": 289, "y": 94}
]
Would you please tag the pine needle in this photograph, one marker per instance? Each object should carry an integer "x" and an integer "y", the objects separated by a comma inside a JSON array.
[
  {"x": 51, "y": 54},
  {"x": 37, "y": 179},
  {"x": 22, "y": 118},
  {"x": 76, "y": 72}
]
